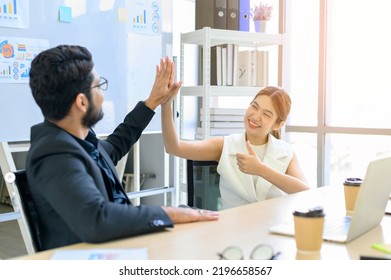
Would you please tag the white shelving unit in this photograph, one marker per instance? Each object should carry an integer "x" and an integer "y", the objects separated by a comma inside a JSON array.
[{"x": 207, "y": 38}]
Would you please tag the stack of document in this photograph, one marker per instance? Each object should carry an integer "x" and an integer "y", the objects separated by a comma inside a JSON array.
[
  {"x": 222, "y": 121},
  {"x": 101, "y": 254}
]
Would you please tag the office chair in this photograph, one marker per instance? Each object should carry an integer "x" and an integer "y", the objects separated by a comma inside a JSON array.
[
  {"x": 203, "y": 185},
  {"x": 22, "y": 202}
]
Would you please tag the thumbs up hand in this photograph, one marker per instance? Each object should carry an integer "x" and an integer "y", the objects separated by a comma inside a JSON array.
[{"x": 248, "y": 163}]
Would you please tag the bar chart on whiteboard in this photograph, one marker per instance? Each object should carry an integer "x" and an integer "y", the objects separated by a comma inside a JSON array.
[
  {"x": 131, "y": 36},
  {"x": 16, "y": 55},
  {"x": 14, "y": 13},
  {"x": 145, "y": 16}
]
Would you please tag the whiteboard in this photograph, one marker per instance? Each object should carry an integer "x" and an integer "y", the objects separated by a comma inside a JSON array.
[{"x": 123, "y": 53}]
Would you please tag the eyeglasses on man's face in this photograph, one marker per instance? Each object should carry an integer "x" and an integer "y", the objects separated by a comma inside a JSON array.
[
  {"x": 260, "y": 252},
  {"x": 103, "y": 84}
]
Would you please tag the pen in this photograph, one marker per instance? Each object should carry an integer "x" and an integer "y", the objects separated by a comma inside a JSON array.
[{"x": 385, "y": 248}]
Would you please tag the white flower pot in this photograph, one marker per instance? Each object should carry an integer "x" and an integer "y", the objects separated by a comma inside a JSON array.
[{"x": 260, "y": 25}]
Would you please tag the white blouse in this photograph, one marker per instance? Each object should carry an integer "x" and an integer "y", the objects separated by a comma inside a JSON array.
[{"x": 238, "y": 188}]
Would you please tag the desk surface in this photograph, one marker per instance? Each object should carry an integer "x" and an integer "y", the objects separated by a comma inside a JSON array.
[{"x": 246, "y": 227}]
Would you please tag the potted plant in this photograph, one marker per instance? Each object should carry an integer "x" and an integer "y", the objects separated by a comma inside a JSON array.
[{"x": 261, "y": 14}]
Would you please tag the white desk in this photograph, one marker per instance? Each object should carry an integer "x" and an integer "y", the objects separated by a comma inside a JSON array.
[{"x": 246, "y": 227}]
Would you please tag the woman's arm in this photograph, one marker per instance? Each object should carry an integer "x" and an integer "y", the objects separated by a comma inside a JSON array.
[{"x": 208, "y": 149}]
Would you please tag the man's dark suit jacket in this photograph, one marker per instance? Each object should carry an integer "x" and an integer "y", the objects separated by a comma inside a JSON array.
[{"x": 69, "y": 190}]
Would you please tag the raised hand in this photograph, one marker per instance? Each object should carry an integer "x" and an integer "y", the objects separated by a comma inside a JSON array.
[{"x": 164, "y": 87}]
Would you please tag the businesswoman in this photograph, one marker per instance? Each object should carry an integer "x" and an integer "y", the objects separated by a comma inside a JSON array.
[{"x": 253, "y": 166}]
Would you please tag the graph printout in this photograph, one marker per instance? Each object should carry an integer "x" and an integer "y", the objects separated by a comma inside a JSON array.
[
  {"x": 16, "y": 55},
  {"x": 14, "y": 13},
  {"x": 145, "y": 16}
]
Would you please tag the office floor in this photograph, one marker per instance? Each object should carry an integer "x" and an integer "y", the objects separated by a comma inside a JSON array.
[{"x": 11, "y": 241}]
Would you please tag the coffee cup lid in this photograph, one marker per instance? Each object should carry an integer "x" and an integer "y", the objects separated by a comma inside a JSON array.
[
  {"x": 313, "y": 212},
  {"x": 353, "y": 181}
]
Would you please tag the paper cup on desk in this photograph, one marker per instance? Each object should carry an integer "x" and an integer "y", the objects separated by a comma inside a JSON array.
[
  {"x": 309, "y": 230},
  {"x": 308, "y": 255},
  {"x": 351, "y": 189}
]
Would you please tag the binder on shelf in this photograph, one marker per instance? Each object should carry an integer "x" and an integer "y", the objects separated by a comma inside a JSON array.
[
  {"x": 244, "y": 15},
  {"x": 219, "y": 75},
  {"x": 244, "y": 68},
  {"x": 211, "y": 13},
  {"x": 254, "y": 67},
  {"x": 233, "y": 14},
  {"x": 224, "y": 65},
  {"x": 220, "y": 14},
  {"x": 235, "y": 65},
  {"x": 216, "y": 72},
  {"x": 203, "y": 18},
  {"x": 262, "y": 68},
  {"x": 230, "y": 66},
  {"x": 200, "y": 72},
  {"x": 213, "y": 66}
]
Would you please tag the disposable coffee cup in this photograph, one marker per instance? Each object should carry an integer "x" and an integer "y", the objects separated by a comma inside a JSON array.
[
  {"x": 309, "y": 230},
  {"x": 351, "y": 189}
]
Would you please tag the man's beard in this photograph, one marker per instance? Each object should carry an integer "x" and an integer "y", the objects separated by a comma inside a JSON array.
[{"x": 92, "y": 116}]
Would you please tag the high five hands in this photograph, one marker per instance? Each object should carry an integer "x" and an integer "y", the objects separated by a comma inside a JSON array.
[{"x": 164, "y": 88}]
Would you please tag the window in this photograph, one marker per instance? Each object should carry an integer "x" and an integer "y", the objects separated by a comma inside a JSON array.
[
  {"x": 301, "y": 81},
  {"x": 340, "y": 117},
  {"x": 336, "y": 70}
]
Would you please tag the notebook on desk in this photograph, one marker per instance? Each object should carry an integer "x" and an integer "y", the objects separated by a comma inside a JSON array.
[{"x": 368, "y": 212}]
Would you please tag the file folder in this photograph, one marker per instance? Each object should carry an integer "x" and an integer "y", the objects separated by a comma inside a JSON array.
[
  {"x": 233, "y": 14},
  {"x": 211, "y": 13},
  {"x": 220, "y": 14},
  {"x": 244, "y": 15}
]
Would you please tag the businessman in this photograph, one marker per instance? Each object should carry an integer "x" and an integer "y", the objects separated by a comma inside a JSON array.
[{"x": 71, "y": 173}]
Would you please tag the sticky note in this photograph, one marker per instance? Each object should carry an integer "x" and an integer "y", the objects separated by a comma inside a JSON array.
[
  {"x": 122, "y": 14},
  {"x": 65, "y": 14}
]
